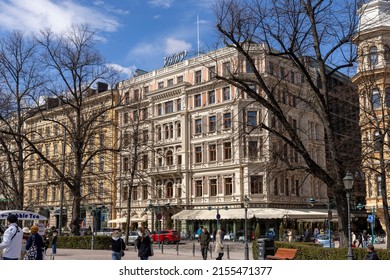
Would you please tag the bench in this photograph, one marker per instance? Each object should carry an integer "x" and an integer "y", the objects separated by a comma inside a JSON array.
[{"x": 283, "y": 254}]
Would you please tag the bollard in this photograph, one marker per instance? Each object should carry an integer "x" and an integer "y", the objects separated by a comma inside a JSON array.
[
  {"x": 162, "y": 248},
  {"x": 193, "y": 249},
  {"x": 227, "y": 252},
  {"x": 177, "y": 248},
  {"x": 211, "y": 251}
]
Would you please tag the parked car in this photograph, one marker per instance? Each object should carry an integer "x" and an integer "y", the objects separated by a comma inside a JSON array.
[
  {"x": 132, "y": 237},
  {"x": 323, "y": 239},
  {"x": 166, "y": 236},
  {"x": 106, "y": 231}
]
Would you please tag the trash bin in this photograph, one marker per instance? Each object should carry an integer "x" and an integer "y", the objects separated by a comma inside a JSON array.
[{"x": 265, "y": 247}]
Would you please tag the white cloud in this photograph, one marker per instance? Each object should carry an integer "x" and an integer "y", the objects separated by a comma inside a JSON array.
[
  {"x": 160, "y": 3},
  {"x": 126, "y": 71},
  {"x": 58, "y": 15},
  {"x": 173, "y": 46}
]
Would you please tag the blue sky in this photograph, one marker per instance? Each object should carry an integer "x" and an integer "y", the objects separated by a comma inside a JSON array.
[{"x": 132, "y": 33}]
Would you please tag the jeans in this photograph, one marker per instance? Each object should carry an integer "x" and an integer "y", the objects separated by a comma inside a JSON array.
[
  {"x": 204, "y": 253},
  {"x": 116, "y": 255},
  {"x": 54, "y": 249}
]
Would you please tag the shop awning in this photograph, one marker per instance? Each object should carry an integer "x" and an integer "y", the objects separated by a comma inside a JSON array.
[
  {"x": 122, "y": 220},
  {"x": 260, "y": 213},
  {"x": 22, "y": 215}
]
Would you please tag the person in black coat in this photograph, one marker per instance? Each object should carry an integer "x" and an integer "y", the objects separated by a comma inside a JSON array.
[
  {"x": 117, "y": 246},
  {"x": 371, "y": 254},
  {"x": 143, "y": 244},
  {"x": 35, "y": 239}
]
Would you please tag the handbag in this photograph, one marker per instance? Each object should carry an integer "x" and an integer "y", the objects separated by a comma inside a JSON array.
[{"x": 32, "y": 253}]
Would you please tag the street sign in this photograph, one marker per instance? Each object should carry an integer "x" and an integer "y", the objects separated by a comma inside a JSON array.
[{"x": 370, "y": 218}]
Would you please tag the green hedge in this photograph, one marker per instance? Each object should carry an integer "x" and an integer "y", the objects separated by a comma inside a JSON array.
[
  {"x": 84, "y": 242},
  {"x": 312, "y": 251}
]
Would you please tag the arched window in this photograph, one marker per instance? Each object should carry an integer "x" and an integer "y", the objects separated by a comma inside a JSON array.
[
  {"x": 377, "y": 141},
  {"x": 169, "y": 190},
  {"x": 373, "y": 55},
  {"x": 375, "y": 99}
]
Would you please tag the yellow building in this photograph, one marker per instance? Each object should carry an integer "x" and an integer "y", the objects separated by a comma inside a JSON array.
[
  {"x": 52, "y": 129},
  {"x": 373, "y": 46}
]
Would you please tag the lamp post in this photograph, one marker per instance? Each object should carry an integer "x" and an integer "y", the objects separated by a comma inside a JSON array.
[
  {"x": 348, "y": 184},
  {"x": 218, "y": 217},
  {"x": 313, "y": 201},
  {"x": 246, "y": 204},
  {"x": 370, "y": 219}
]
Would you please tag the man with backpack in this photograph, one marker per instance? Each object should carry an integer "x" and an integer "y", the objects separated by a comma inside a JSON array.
[{"x": 12, "y": 239}]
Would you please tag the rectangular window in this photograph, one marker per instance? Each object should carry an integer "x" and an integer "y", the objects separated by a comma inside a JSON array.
[
  {"x": 213, "y": 187},
  {"x": 178, "y": 129},
  {"x": 198, "y": 100},
  {"x": 136, "y": 95},
  {"x": 228, "y": 186},
  {"x": 170, "y": 82},
  {"x": 252, "y": 118},
  {"x": 252, "y": 149},
  {"x": 178, "y": 104},
  {"x": 168, "y": 107},
  {"x": 125, "y": 118},
  {"x": 198, "y": 154},
  {"x": 198, "y": 188},
  {"x": 145, "y": 136},
  {"x": 211, "y": 72},
  {"x": 292, "y": 77},
  {"x": 145, "y": 113},
  {"x": 271, "y": 68},
  {"x": 227, "y": 120},
  {"x": 378, "y": 185},
  {"x": 249, "y": 68},
  {"x": 198, "y": 126},
  {"x": 134, "y": 194},
  {"x": 146, "y": 89},
  {"x": 180, "y": 79},
  {"x": 256, "y": 184},
  {"x": 198, "y": 77},
  {"x": 160, "y": 85},
  {"x": 226, "y": 69},
  {"x": 159, "y": 109},
  {"x": 212, "y": 123},
  {"x": 211, "y": 96},
  {"x": 227, "y": 148},
  {"x": 212, "y": 152},
  {"x": 226, "y": 93}
]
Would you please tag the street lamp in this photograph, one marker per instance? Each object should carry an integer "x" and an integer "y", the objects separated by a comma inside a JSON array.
[
  {"x": 246, "y": 204},
  {"x": 348, "y": 184},
  {"x": 218, "y": 217},
  {"x": 313, "y": 201},
  {"x": 370, "y": 219}
]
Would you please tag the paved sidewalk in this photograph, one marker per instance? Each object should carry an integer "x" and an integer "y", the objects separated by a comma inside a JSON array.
[{"x": 130, "y": 254}]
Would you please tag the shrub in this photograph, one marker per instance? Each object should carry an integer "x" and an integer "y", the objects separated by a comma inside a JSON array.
[{"x": 84, "y": 242}]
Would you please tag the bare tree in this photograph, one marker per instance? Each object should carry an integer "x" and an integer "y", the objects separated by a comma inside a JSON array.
[
  {"x": 20, "y": 81},
  {"x": 311, "y": 36},
  {"x": 74, "y": 66}
]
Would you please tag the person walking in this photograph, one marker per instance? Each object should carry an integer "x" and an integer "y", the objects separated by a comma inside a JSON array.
[
  {"x": 54, "y": 242},
  {"x": 12, "y": 239},
  {"x": 204, "y": 240},
  {"x": 117, "y": 246},
  {"x": 26, "y": 233},
  {"x": 218, "y": 245},
  {"x": 35, "y": 242},
  {"x": 143, "y": 244},
  {"x": 371, "y": 254}
]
